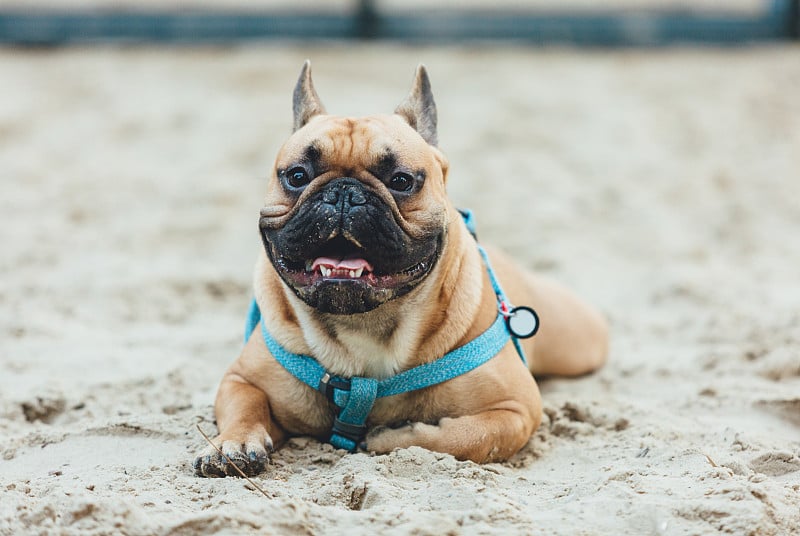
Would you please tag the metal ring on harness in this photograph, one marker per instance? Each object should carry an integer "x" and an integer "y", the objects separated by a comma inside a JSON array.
[{"x": 329, "y": 384}]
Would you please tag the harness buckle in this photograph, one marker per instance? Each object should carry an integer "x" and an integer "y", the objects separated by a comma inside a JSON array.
[
  {"x": 329, "y": 384},
  {"x": 353, "y": 432}
]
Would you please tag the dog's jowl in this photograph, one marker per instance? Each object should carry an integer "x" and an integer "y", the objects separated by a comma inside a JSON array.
[{"x": 378, "y": 321}]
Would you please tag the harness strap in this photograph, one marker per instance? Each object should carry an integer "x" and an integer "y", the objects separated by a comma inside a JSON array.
[
  {"x": 454, "y": 363},
  {"x": 349, "y": 427},
  {"x": 498, "y": 290},
  {"x": 356, "y": 396}
]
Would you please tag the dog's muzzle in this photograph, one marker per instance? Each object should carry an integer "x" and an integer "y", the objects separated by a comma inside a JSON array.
[{"x": 343, "y": 252}]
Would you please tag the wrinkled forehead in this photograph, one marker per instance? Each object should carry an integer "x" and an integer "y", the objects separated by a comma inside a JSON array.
[{"x": 346, "y": 142}]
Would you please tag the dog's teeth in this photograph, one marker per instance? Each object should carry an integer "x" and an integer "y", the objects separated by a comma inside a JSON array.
[{"x": 328, "y": 271}]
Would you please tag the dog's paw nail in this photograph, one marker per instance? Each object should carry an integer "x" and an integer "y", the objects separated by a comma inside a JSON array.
[
  {"x": 209, "y": 469},
  {"x": 257, "y": 456},
  {"x": 257, "y": 462},
  {"x": 197, "y": 465}
]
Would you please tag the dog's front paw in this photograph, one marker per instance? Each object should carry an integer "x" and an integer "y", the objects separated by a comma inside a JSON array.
[{"x": 250, "y": 455}]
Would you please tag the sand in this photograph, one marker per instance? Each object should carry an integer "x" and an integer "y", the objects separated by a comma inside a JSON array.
[{"x": 662, "y": 185}]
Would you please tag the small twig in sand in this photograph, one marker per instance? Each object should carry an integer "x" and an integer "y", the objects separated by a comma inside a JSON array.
[
  {"x": 713, "y": 464},
  {"x": 256, "y": 486}
]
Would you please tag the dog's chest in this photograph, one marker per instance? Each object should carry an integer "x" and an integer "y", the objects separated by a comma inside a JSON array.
[{"x": 360, "y": 353}]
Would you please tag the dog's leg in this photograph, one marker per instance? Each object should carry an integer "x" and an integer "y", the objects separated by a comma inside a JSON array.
[
  {"x": 247, "y": 434},
  {"x": 490, "y": 436}
]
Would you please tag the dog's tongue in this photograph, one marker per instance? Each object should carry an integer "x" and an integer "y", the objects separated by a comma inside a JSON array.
[{"x": 341, "y": 264}]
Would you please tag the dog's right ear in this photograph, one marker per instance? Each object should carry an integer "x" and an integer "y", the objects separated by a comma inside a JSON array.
[{"x": 305, "y": 102}]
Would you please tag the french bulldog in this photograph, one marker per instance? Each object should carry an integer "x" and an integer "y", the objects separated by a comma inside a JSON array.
[{"x": 368, "y": 273}]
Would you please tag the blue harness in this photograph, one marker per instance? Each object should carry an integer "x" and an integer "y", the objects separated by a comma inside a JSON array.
[{"x": 355, "y": 396}]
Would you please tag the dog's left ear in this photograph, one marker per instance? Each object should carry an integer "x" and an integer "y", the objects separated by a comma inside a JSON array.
[
  {"x": 419, "y": 109},
  {"x": 305, "y": 101}
]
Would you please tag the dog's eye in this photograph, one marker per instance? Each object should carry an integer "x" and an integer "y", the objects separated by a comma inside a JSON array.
[
  {"x": 297, "y": 177},
  {"x": 401, "y": 182}
]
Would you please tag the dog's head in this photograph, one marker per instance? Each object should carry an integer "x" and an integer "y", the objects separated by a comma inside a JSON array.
[{"x": 356, "y": 208}]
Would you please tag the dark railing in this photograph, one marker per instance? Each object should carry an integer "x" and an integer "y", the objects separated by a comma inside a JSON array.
[{"x": 778, "y": 20}]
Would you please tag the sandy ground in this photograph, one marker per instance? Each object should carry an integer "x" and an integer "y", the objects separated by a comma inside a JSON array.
[{"x": 663, "y": 185}]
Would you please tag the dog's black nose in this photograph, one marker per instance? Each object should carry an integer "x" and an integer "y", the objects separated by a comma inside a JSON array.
[{"x": 344, "y": 193}]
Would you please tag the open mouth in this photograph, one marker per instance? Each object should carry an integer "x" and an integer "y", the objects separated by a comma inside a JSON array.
[
  {"x": 340, "y": 261},
  {"x": 347, "y": 269}
]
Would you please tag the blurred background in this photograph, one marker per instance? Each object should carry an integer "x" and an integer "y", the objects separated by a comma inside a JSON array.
[
  {"x": 646, "y": 153},
  {"x": 614, "y": 23}
]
